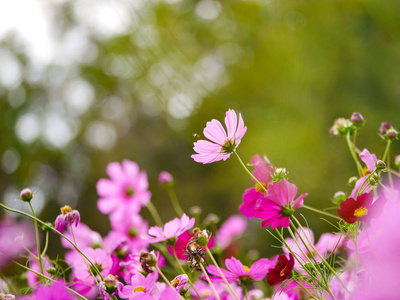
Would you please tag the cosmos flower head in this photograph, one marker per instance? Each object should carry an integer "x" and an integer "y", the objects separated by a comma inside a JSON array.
[
  {"x": 282, "y": 270},
  {"x": 279, "y": 205},
  {"x": 364, "y": 208},
  {"x": 222, "y": 143},
  {"x": 126, "y": 190},
  {"x": 67, "y": 217}
]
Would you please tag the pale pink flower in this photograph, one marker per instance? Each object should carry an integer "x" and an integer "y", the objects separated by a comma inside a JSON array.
[
  {"x": 171, "y": 231},
  {"x": 230, "y": 230},
  {"x": 57, "y": 290},
  {"x": 127, "y": 188},
  {"x": 223, "y": 143},
  {"x": 279, "y": 205},
  {"x": 179, "y": 282},
  {"x": 370, "y": 162},
  {"x": 139, "y": 286}
]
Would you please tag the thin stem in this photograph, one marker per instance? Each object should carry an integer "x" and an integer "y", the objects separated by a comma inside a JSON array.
[
  {"x": 385, "y": 154},
  {"x": 245, "y": 292},
  {"x": 183, "y": 272},
  {"x": 304, "y": 288},
  {"x": 320, "y": 212},
  {"x": 222, "y": 274},
  {"x": 353, "y": 154},
  {"x": 37, "y": 240},
  {"x": 56, "y": 231},
  {"x": 209, "y": 281},
  {"x": 46, "y": 244},
  {"x": 166, "y": 280},
  {"x": 248, "y": 172},
  {"x": 154, "y": 213},
  {"x": 174, "y": 200},
  {"x": 51, "y": 279}
]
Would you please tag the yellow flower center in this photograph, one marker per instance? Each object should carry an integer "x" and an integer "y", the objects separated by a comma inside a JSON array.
[
  {"x": 283, "y": 271},
  {"x": 139, "y": 289},
  {"x": 175, "y": 282},
  {"x": 259, "y": 188},
  {"x": 246, "y": 268},
  {"x": 365, "y": 171},
  {"x": 206, "y": 292},
  {"x": 65, "y": 209},
  {"x": 360, "y": 212}
]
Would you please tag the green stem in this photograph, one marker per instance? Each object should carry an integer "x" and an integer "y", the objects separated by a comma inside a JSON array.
[
  {"x": 174, "y": 200},
  {"x": 320, "y": 212},
  {"x": 183, "y": 272},
  {"x": 248, "y": 172},
  {"x": 154, "y": 213},
  {"x": 386, "y": 150},
  {"x": 37, "y": 240},
  {"x": 46, "y": 244},
  {"x": 209, "y": 281},
  {"x": 245, "y": 292},
  {"x": 353, "y": 154},
  {"x": 56, "y": 231},
  {"x": 220, "y": 272},
  {"x": 387, "y": 154}
]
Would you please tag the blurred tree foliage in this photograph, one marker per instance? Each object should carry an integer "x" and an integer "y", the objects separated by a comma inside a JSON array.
[{"x": 143, "y": 90}]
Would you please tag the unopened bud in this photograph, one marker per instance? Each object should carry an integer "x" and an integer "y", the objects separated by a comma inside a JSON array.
[
  {"x": 279, "y": 174},
  {"x": 397, "y": 161},
  {"x": 385, "y": 126},
  {"x": 48, "y": 227},
  {"x": 352, "y": 181},
  {"x": 391, "y": 133},
  {"x": 26, "y": 195},
  {"x": 339, "y": 197},
  {"x": 165, "y": 178},
  {"x": 195, "y": 211},
  {"x": 357, "y": 119},
  {"x": 380, "y": 165},
  {"x": 147, "y": 261},
  {"x": 341, "y": 126},
  {"x": 211, "y": 219},
  {"x": 201, "y": 237}
]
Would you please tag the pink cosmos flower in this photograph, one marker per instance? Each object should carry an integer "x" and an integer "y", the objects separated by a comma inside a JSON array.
[
  {"x": 182, "y": 241},
  {"x": 57, "y": 290},
  {"x": 370, "y": 161},
  {"x": 179, "y": 282},
  {"x": 279, "y": 205},
  {"x": 171, "y": 231},
  {"x": 253, "y": 196},
  {"x": 140, "y": 286},
  {"x": 207, "y": 293},
  {"x": 241, "y": 273},
  {"x": 231, "y": 229},
  {"x": 68, "y": 217},
  {"x": 327, "y": 244},
  {"x": 222, "y": 143},
  {"x": 125, "y": 190}
]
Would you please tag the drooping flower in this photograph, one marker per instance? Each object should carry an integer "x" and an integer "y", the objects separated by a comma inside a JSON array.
[
  {"x": 67, "y": 217},
  {"x": 179, "y": 282},
  {"x": 127, "y": 188},
  {"x": 223, "y": 143},
  {"x": 140, "y": 286},
  {"x": 231, "y": 229},
  {"x": 279, "y": 205},
  {"x": 282, "y": 270},
  {"x": 362, "y": 209},
  {"x": 241, "y": 273},
  {"x": 171, "y": 231},
  {"x": 328, "y": 243},
  {"x": 252, "y": 197},
  {"x": 370, "y": 162}
]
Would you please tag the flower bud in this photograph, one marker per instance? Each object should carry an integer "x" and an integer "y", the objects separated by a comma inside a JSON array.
[
  {"x": 352, "y": 181},
  {"x": 391, "y": 133},
  {"x": 380, "y": 165},
  {"x": 195, "y": 211},
  {"x": 357, "y": 119},
  {"x": 48, "y": 227},
  {"x": 397, "y": 161},
  {"x": 342, "y": 126},
  {"x": 211, "y": 219},
  {"x": 339, "y": 197},
  {"x": 279, "y": 174},
  {"x": 166, "y": 179},
  {"x": 147, "y": 261},
  {"x": 384, "y": 127},
  {"x": 201, "y": 237},
  {"x": 26, "y": 195}
]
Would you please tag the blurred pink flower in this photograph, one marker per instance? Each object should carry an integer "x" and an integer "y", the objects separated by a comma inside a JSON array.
[
  {"x": 57, "y": 290},
  {"x": 84, "y": 237},
  {"x": 280, "y": 204},
  {"x": 253, "y": 196},
  {"x": 165, "y": 178},
  {"x": 370, "y": 162},
  {"x": 241, "y": 273},
  {"x": 127, "y": 188},
  {"x": 230, "y": 230},
  {"x": 222, "y": 143},
  {"x": 171, "y": 231}
]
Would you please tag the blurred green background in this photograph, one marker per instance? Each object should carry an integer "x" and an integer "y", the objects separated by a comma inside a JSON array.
[{"x": 92, "y": 82}]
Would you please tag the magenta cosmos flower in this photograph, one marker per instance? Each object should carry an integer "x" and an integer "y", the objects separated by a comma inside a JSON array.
[
  {"x": 252, "y": 197},
  {"x": 171, "y": 231},
  {"x": 362, "y": 209},
  {"x": 57, "y": 290},
  {"x": 241, "y": 273},
  {"x": 279, "y": 205},
  {"x": 140, "y": 286},
  {"x": 181, "y": 243},
  {"x": 125, "y": 190},
  {"x": 222, "y": 143}
]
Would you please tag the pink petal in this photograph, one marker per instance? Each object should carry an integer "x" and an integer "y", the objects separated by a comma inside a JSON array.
[
  {"x": 106, "y": 187},
  {"x": 369, "y": 159},
  {"x": 108, "y": 205},
  {"x": 231, "y": 123},
  {"x": 235, "y": 266},
  {"x": 115, "y": 171},
  {"x": 215, "y": 132}
]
